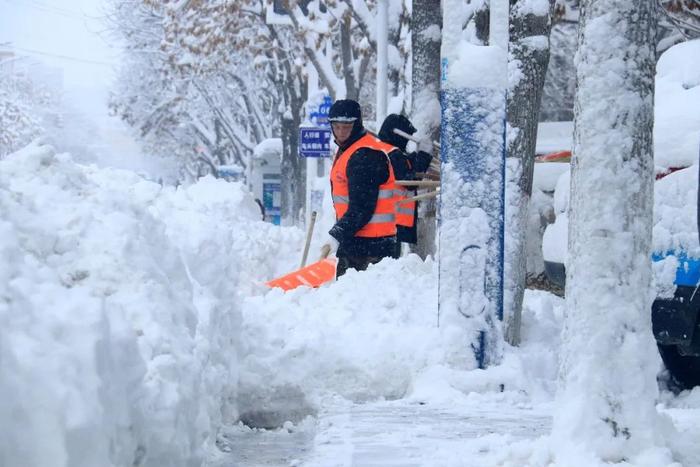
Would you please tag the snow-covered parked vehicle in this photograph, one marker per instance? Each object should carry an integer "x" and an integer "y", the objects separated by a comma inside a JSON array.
[
  {"x": 676, "y": 320},
  {"x": 676, "y": 246}
]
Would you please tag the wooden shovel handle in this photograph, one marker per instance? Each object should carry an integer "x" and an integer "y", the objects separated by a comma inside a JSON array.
[
  {"x": 421, "y": 183},
  {"x": 325, "y": 251},
  {"x": 309, "y": 232},
  {"x": 428, "y": 195}
]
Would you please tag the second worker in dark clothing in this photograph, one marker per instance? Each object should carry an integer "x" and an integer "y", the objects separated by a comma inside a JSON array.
[
  {"x": 405, "y": 166},
  {"x": 362, "y": 184}
]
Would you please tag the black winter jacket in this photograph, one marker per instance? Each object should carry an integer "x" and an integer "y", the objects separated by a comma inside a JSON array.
[
  {"x": 367, "y": 169},
  {"x": 405, "y": 164}
]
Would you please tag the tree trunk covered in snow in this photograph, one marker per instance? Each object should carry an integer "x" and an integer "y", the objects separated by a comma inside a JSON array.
[
  {"x": 425, "y": 26},
  {"x": 560, "y": 83},
  {"x": 529, "y": 56},
  {"x": 293, "y": 176},
  {"x": 293, "y": 90},
  {"x": 352, "y": 90},
  {"x": 606, "y": 400}
]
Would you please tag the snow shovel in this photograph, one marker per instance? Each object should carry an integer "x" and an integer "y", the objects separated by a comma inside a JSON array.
[{"x": 313, "y": 275}]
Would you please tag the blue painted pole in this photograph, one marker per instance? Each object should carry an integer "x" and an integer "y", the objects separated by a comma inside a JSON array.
[
  {"x": 471, "y": 214},
  {"x": 472, "y": 195}
]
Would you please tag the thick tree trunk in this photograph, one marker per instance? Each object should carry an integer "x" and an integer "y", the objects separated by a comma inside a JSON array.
[
  {"x": 529, "y": 54},
  {"x": 293, "y": 180},
  {"x": 425, "y": 27},
  {"x": 293, "y": 177},
  {"x": 559, "y": 83},
  {"x": 352, "y": 91},
  {"x": 609, "y": 360}
]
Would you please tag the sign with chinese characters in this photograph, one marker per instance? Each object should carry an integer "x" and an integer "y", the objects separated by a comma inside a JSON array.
[
  {"x": 314, "y": 142},
  {"x": 319, "y": 116}
]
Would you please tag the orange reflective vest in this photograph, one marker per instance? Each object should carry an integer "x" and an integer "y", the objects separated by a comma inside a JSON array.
[
  {"x": 405, "y": 210},
  {"x": 383, "y": 221}
]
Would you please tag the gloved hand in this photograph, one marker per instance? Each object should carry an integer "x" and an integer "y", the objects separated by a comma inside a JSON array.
[
  {"x": 425, "y": 145},
  {"x": 422, "y": 161},
  {"x": 330, "y": 246}
]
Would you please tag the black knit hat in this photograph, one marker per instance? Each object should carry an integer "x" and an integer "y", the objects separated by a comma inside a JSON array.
[
  {"x": 345, "y": 110},
  {"x": 386, "y": 133}
]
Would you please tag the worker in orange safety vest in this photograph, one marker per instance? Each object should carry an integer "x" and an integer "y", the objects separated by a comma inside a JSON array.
[
  {"x": 405, "y": 166},
  {"x": 362, "y": 184}
]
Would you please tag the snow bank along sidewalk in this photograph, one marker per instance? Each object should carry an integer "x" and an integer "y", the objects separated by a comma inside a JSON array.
[
  {"x": 373, "y": 336},
  {"x": 118, "y": 312}
]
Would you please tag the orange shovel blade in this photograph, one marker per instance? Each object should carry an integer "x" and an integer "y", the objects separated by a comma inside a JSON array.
[{"x": 313, "y": 275}]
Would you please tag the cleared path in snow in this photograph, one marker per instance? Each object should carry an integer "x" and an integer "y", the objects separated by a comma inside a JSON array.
[{"x": 390, "y": 434}]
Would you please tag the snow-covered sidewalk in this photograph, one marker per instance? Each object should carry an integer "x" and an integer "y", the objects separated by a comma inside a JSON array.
[
  {"x": 489, "y": 431},
  {"x": 403, "y": 434},
  {"x": 391, "y": 433}
]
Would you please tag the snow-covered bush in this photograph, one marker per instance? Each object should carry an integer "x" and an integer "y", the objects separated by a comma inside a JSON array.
[{"x": 22, "y": 104}]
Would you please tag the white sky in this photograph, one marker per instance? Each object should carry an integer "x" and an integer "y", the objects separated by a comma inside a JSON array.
[{"x": 69, "y": 35}]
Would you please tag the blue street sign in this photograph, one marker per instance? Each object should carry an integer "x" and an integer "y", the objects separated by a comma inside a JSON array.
[
  {"x": 314, "y": 142},
  {"x": 320, "y": 117}
]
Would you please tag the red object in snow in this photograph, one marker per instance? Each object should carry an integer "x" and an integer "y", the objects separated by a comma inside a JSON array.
[
  {"x": 668, "y": 171},
  {"x": 559, "y": 156}
]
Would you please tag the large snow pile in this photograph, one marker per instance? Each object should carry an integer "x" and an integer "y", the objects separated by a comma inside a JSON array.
[
  {"x": 118, "y": 311},
  {"x": 374, "y": 335},
  {"x": 360, "y": 337}
]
